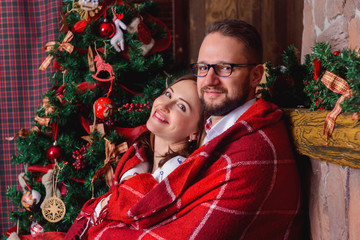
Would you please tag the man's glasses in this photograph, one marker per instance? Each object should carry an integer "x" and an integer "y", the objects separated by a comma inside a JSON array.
[{"x": 220, "y": 69}]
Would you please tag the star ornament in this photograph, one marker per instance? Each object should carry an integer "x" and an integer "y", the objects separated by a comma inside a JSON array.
[{"x": 53, "y": 209}]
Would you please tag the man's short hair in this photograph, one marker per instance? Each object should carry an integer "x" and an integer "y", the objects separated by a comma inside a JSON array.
[{"x": 243, "y": 31}]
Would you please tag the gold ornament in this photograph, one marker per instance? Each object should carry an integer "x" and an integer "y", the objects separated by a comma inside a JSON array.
[{"x": 53, "y": 209}]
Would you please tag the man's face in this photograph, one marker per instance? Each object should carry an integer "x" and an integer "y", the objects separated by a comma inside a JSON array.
[{"x": 220, "y": 95}]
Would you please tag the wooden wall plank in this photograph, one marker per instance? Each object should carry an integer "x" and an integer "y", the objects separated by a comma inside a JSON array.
[
  {"x": 197, "y": 27},
  {"x": 216, "y": 10},
  {"x": 279, "y": 22}
]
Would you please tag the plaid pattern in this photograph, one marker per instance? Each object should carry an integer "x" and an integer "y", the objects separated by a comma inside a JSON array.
[
  {"x": 25, "y": 27},
  {"x": 208, "y": 125},
  {"x": 338, "y": 85},
  {"x": 242, "y": 184}
]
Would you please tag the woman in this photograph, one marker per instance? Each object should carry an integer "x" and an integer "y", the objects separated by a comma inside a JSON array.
[{"x": 175, "y": 125}]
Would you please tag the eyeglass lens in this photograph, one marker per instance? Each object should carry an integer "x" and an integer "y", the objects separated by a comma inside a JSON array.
[{"x": 221, "y": 69}]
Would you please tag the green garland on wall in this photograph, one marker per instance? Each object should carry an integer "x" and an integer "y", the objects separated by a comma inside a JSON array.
[{"x": 294, "y": 84}]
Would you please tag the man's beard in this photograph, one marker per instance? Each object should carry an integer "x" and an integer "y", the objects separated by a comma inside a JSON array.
[{"x": 224, "y": 107}]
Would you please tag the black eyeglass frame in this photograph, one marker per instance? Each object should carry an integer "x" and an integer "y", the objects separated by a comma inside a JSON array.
[{"x": 214, "y": 65}]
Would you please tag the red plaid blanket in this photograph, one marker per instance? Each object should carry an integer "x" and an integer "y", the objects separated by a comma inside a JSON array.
[{"x": 243, "y": 184}]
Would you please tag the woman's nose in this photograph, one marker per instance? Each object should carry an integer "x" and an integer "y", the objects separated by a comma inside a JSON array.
[{"x": 165, "y": 106}]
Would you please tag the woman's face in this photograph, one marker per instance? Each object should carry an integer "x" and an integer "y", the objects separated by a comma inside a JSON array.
[{"x": 175, "y": 114}]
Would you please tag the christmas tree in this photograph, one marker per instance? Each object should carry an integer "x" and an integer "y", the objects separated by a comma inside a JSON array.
[{"x": 109, "y": 66}]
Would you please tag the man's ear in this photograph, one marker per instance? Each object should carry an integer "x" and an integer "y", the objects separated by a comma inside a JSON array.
[{"x": 256, "y": 75}]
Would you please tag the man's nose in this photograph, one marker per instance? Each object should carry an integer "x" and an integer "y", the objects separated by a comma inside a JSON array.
[{"x": 211, "y": 78}]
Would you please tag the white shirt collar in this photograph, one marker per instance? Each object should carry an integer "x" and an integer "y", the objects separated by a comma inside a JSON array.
[{"x": 227, "y": 121}]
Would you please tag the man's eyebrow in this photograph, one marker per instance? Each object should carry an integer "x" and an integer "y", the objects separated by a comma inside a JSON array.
[{"x": 171, "y": 89}]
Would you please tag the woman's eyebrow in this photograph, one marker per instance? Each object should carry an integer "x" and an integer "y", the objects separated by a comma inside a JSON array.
[{"x": 185, "y": 102}]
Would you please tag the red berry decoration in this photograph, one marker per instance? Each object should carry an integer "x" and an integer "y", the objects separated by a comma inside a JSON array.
[
  {"x": 104, "y": 108},
  {"x": 137, "y": 107},
  {"x": 107, "y": 29},
  {"x": 336, "y": 53},
  {"x": 79, "y": 155},
  {"x": 54, "y": 153}
]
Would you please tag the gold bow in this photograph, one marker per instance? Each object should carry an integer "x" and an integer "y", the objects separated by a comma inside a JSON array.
[
  {"x": 65, "y": 45},
  {"x": 338, "y": 85},
  {"x": 111, "y": 152},
  {"x": 21, "y": 133}
]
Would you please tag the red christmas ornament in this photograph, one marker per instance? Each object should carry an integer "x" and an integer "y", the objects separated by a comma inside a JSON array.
[
  {"x": 107, "y": 29},
  {"x": 54, "y": 153},
  {"x": 104, "y": 107},
  {"x": 336, "y": 53}
]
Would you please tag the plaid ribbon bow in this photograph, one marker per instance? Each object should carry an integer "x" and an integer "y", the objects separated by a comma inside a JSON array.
[
  {"x": 338, "y": 85},
  {"x": 111, "y": 152},
  {"x": 65, "y": 45}
]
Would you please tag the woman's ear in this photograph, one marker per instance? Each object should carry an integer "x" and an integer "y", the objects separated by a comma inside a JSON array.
[
  {"x": 194, "y": 136},
  {"x": 256, "y": 75}
]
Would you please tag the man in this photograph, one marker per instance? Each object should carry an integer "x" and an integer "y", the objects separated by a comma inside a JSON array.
[
  {"x": 229, "y": 69},
  {"x": 242, "y": 183}
]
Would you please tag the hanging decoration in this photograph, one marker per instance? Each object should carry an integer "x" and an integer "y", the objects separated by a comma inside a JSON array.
[
  {"x": 36, "y": 228},
  {"x": 138, "y": 26},
  {"x": 53, "y": 208},
  {"x": 117, "y": 41},
  {"x": 104, "y": 71},
  {"x": 54, "y": 153},
  {"x": 47, "y": 181},
  {"x": 107, "y": 28},
  {"x": 31, "y": 198},
  {"x": 104, "y": 108}
]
